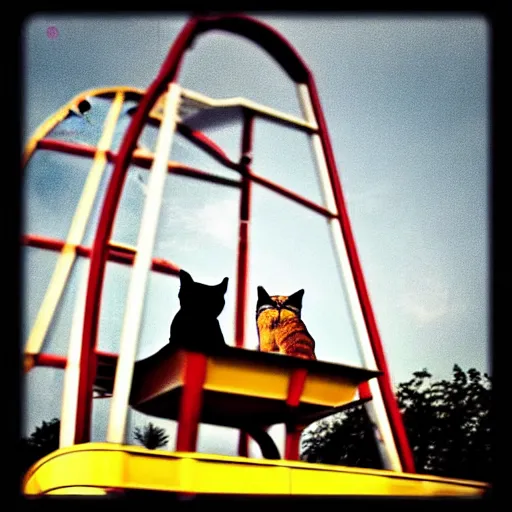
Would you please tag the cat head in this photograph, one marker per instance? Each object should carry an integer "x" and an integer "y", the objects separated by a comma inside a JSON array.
[
  {"x": 201, "y": 298},
  {"x": 291, "y": 303}
]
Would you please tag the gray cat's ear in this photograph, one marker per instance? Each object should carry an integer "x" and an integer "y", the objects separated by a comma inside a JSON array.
[
  {"x": 224, "y": 285},
  {"x": 185, "y": 277},
  {"x": 296, "y": 299}
]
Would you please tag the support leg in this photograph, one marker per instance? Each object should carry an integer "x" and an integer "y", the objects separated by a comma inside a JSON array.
[
  {"x": 191, "y": 402},
  {"x": 243, "y": 444},
  {"x": 292, "y": 445},
  {"x": 293, "y": 429}
]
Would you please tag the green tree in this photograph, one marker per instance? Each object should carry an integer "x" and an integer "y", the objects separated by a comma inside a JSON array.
[
  {"x": 44, "y": 440},
  {"x": 150, "y": 436},
  {"x": 447, "y": 422},
  {"x": 345, "y": 438}
]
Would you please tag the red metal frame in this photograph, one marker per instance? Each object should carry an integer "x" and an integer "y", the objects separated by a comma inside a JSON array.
[
  {"x": 145, "y": 161},
  {"x": 364, "y": 391},
  {"x": 115, "y": 254},
  {"x": 243, "y": 250},
  {"x": 56, "y": 361},
  {"x": 191, "y": 402},
  {"x": 243, "y": 242},
  {"x": 293, "y": 431},
  {"x": 101, "y": 250},
  {"x": 386, "y": 388}
]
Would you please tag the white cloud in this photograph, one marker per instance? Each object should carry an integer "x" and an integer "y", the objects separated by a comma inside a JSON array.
[
  {"x": 427, "y": 299},
  {"x": 215, "y": 219}
]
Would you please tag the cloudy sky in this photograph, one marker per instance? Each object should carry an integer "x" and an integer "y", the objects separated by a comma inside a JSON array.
[{"x": 406, "y": 103}]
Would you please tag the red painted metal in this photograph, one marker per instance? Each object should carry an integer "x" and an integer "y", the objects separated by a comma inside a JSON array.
[
  {"x": 52, "y": 244},
  {"x": 243, "y": 250},
  {"x": 71, "y": 148},
  {"x": 296, "y": 386},
  {"x": 263, "y": 35},
  {"x": 293, "y": 431},
  {"x": 243, "y": 444},
  {"x": 183, "y": 170},
  {"x": 191, "y": 401},
  {"x": 395, "y": 417},
  {"x": 99, "y": 254},
  {"x": 243, "y": 242},
  {"x": 143, "y": 161},
  {"x": 364, "y": 391},
  {"x": 116, "y": 254},
  {"x": 292, "y": 63},
  {"x": 51, "y": 360},
  {"x": 291, "y": 195},
  {"x": 167, "y": 75},
  {"x": 60, "y": 362},
  {"x": 205, "y": 143},
  {"x": 292, "y": 442}
]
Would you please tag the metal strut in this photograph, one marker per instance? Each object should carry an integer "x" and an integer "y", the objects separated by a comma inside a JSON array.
[{"x": 383, "y": 406}]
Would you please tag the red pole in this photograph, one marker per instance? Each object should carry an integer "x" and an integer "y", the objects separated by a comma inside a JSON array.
[
  {"x": 191, "y": 401},
  {"x": 167, "y": 74},
  {"x": 243, "y": 250},
  {"x": 293, "y": 431},
  {"x": 390, "y": 403},
  {"x": 243, "y": 241}
]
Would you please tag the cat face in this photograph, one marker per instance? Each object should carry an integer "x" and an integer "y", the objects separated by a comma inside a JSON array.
[
  {"x": 287, "y": 304},
  {"x": 201, "y": 298}
]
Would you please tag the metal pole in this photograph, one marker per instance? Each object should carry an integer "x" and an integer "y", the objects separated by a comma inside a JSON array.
[
  {"x": 141, "y": 268},
  {"x": 376, "y": 407}
]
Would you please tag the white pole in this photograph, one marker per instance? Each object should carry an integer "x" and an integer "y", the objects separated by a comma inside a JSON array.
[
  {"x": 72, "y": 372},
  {"x": 65, "y": 264},
  {"x": 141, "y": 267},
  {"x": 76, "y": 232},
  {"x": 375, "y": 407}
]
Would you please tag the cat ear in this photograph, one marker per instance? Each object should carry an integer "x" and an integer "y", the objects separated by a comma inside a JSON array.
[
  {"x": 296, "y": 298},
  {"x": 263, "y": 296},
  {"x": 185, "y": 277},
  {"x": 224, "y": 285}
]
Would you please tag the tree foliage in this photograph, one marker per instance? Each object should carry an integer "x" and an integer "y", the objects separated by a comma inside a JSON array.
[
  {"x": 44, "y": 440},
  {"x": 150, "y": 436},
  {"x": 448, "y": 425},
  {"x": 346, "y": 438}
]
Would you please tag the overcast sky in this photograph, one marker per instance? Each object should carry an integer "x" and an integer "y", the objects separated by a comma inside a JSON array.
[{"x": 406, "y": 103}]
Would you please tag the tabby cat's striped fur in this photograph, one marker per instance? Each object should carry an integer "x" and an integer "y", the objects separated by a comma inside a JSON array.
[{"x": 280, "y": 328}]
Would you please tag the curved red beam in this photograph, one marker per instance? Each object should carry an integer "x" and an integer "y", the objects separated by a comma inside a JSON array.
[
  {"x": 273, "y": 43},
  {"x": 264, "y": 36}
]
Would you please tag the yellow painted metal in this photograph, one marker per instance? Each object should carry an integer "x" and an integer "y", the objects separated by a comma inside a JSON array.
[
  {"x": 246, "y": 378},
  {"x": 67, "y": 255},
  {"x": 328, "y": 390},
  {"x": 95, "y": 467},
  {"x": 46, "y": 126},
  {"x": 263, "y": 380},
  {"x": 76, "y": 232},
  {"x": 247, "y": 373},
  {"x": 79, "y": 490}
]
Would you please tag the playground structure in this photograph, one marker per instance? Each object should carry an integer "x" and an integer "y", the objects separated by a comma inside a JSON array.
[{"x": 240, "y": 388}]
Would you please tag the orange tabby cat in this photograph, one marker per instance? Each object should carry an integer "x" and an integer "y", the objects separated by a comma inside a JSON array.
[{"x": 280, "y": 328}]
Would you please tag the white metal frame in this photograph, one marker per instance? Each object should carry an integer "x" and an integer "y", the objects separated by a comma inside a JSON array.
[
  {"x": 140, "y": 270},
  {"x": 375, "y": 407}
]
